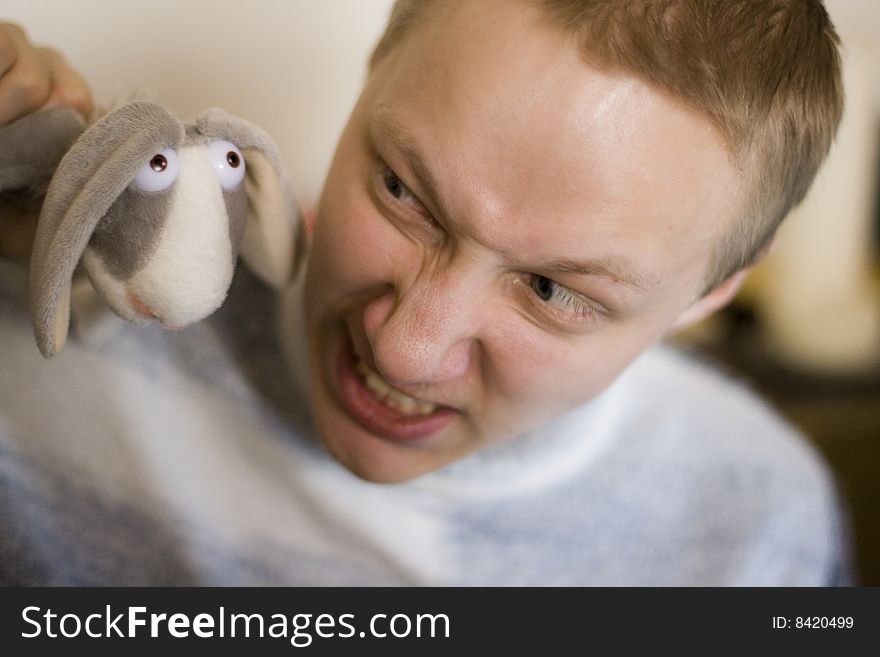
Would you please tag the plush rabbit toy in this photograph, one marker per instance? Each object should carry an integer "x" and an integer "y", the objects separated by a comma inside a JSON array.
[{"x": 157, "y": 211}]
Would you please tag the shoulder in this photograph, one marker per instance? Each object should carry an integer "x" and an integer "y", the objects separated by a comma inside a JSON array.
[
  {"x": 680, "y": 402},
  {"x": 694, "y": 417},
  {"x": 726, "y": 462}
]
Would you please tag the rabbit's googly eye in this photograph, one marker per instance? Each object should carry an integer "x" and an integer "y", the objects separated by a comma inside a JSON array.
[
  {"x": 228, "y": 163},
  {"x": 158, "y": 173},
  {"x": 159, "y": 163}
]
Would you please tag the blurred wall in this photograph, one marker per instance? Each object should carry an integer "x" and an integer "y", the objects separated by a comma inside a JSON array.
[{"x": 294, "y": 67}]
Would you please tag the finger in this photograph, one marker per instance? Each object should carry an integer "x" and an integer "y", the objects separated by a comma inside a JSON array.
[
  {"x": 68, "y": 87},
  {"x": 26, "y": 85},
  {"x": 8, "y": 48},
  {"x": 22, "y": 90}
]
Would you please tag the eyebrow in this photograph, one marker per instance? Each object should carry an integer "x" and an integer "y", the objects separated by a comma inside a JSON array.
[
  {"x": 390, "y": 126},
  {"x": 618, "y": 273}
]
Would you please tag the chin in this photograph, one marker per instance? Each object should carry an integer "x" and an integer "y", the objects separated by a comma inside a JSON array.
[{"x": 371, "y": 457}]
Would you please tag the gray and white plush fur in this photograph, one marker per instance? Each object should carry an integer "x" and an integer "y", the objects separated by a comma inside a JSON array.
[{"x": 156, "y": 210}]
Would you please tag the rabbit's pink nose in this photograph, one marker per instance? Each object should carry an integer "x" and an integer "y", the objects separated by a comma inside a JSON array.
[{"x": 141, "y": 307}]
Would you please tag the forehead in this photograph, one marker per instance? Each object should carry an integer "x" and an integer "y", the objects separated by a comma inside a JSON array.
[{"x": 523, "y": 135}]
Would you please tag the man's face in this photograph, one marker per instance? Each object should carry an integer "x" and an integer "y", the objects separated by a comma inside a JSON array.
[{"x": 503, "y": 229}]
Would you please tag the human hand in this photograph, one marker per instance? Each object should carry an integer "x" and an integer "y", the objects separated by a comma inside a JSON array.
[{"x": 31, "y": 78}]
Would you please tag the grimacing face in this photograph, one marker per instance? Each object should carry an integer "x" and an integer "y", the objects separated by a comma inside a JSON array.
[{"x": 504, "y": 228}]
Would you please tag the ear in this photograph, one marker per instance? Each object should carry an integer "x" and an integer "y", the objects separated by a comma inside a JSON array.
[
  {"x": 711, "y": 301},
  {"x": 89, "y": 178},
  {"x": 273, "y": 238}
]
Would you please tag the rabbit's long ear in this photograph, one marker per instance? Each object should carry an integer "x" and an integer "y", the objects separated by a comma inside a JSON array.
[
  {"x": 94, "y": 172},
  {"x": 273, "y": 238}
]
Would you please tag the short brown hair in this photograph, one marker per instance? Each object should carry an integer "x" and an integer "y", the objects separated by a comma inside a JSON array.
[{"x": 765, "y": 72}]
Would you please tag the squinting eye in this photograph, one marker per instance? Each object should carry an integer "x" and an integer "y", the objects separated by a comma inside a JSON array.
[
  {"x": 228, "y": 163},
  {"x": 561, "y": 298},
  {"x": 543, "y": 287},
  {"x": 393, "y": 184},
  {"x": 401, "y": 192},
  {"x": 158, "y": 173}
]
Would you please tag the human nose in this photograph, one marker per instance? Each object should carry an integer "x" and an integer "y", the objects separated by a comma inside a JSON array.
[{"x": 425, "y": 333}]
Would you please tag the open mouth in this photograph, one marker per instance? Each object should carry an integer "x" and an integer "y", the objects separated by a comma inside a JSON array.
[
  {"x": 380, "y": 408},
  {"x": 390, "y": 396}
]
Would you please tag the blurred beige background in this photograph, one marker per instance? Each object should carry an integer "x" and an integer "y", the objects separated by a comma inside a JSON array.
[
  {"x": 818, "y": 296},
  {"x": 295, "y": 67}
]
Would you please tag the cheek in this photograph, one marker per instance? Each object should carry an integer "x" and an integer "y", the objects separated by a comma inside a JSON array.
[
  {"x": 523, "y": 364},
  {"x": 353, "y": 244},
  {"x": 552, "y": 374}
]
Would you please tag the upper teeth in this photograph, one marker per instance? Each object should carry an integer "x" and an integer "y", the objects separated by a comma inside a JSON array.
[{"x": 392, "y": 397}]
